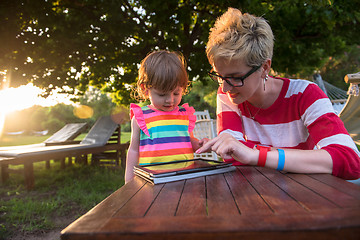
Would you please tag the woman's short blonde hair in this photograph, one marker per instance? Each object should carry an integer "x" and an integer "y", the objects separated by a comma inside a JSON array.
[
  {"x": 162, "y": 70},
  {"x": 237, "y": 36}
]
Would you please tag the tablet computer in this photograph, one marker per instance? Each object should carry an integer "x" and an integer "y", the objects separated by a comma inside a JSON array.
[{"x": 179, "y": 170}]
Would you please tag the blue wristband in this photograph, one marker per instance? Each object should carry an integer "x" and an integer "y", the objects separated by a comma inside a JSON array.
[{"x": 281, "y": 162}]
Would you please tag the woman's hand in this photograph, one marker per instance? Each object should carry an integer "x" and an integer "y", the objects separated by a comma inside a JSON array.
[{"x": 226, "y": 146}]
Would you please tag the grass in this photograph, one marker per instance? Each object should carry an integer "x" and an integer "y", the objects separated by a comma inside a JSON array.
[
  {"x": 59, "y": 197},
  {"x": 21, "y": 140}
]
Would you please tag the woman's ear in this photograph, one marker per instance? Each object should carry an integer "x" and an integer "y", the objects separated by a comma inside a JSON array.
[{"x": 266, "y": 68}]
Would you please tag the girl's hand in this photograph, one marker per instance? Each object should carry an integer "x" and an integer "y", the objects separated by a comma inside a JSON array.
[
  {"x": 203, "y": 141},
  {"x": 196, "y": 144}
]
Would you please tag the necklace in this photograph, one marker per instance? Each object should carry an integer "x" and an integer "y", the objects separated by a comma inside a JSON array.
[{"x": 251, "y": 116}]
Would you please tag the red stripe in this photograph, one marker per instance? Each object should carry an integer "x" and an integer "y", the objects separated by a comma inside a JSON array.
[
  {"x": 229, "y": 120},
  {"x": 348, "y": 169},
  {"x": 316, "y": 94},
  {"x": 324, "y": 127}
]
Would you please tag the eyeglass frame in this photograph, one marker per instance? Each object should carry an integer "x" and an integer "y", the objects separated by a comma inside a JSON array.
[{"x": 214, "y": 76}]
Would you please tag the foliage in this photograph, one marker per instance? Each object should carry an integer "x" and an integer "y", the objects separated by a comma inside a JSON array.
[
  {"x": 37, "y": 117},
  {"x": 335, "y": 69},
  {"x": 100, "y": 103},
  {"x": 52, "y": 124},
  {"x": 21, "y": 120},
  {"x": 75, "y": 44},
  {"x": 202, "y": 96}
]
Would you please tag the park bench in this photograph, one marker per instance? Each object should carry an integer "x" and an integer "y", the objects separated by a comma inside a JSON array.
[
  {"x": 96, "y": 141},
  {"x": 65, "y": 135}
]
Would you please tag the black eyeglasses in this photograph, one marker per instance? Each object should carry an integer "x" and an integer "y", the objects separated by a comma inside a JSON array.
[{"x": 232, "y": 81}]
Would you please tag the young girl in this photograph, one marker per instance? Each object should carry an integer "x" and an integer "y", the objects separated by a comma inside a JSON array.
[{"x": 161, "y": 131}]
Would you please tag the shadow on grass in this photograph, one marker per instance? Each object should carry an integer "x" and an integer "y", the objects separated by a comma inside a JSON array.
[{"x": 58, "y": 198}]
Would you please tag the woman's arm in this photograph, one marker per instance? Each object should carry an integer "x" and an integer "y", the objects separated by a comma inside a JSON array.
[
  {"x": 299, "y": 161},
  {"x": 133, "y": 151}
]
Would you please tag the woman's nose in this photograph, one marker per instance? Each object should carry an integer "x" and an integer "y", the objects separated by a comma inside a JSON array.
[{"x": 226, "y": 87}]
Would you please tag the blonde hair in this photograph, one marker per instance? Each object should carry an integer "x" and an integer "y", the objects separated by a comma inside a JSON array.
[
  {"x": 162, "y": 70},
  {"x": 237, "y": 36}
]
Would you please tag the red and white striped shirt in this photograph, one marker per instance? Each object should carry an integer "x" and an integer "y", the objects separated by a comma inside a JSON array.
[{"x": 302, "y": 117}]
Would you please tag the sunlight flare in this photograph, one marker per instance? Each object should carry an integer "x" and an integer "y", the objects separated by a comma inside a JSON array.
[
  {"x": 14, "y": 99},
  {"x": 83, "y": 111},
  {"x": 26, "y": 96}
]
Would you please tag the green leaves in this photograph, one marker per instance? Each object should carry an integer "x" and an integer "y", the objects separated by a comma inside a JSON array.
[{"x": 97, "y": 38}]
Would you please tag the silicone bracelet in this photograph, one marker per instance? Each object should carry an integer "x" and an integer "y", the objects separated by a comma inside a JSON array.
[
  {"x": 281, "y": 162},
  {"x": 262, "y": 155}
]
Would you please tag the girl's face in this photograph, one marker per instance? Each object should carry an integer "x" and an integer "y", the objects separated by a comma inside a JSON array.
[{"x": 165, "y": 101}]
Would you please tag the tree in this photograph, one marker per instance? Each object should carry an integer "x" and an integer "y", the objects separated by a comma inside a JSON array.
[
  {"x": 101, "y": 104},
  {"x": 37, "y": 117},
  {"x": 22, "y": 120},
  {"x": 78, "y": 43},
  {"x": 203, "y": 96},
  {"x": 335, "y": 69}
]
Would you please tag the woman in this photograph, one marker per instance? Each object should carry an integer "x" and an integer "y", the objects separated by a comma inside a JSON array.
[{"x": 278, "y": 123}]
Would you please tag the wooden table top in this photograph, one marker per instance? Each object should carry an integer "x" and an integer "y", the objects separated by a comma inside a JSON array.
[{"x": 249, "y": 203}]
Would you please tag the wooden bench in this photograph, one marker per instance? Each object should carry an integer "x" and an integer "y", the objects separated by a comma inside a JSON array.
[{"x": 96, "y": 141}]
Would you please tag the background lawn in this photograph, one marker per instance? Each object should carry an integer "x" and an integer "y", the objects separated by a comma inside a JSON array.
[{"x": 59, "y": 197}]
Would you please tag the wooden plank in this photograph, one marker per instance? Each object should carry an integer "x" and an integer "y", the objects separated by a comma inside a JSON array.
[
  {"x": 338, "y": 183},
  {"x": 62, "y": 163},
  {"x": 227, "y": 227},
  {"x": 93, "y": 220},
  {"x": 167, "y": 201},
  {"x": 303, "y": 195},
  {"x": 29, "y": 175},
  {"x": 219, "y": 197},
  {"x": 69, "y": 132},
  {"x": 4, "y": 172},
  {"x": 339, "y": 198},
  {"x": 55, "y": 152},
  {"x": 247, "y": 199},
  {"x": 139, "y": 204},
  {"x": 47, "y": 164},
  {"x": 334, "y": 234},
  {"x": 277, "y": 199},
  {"x": 193, "y": 198}
]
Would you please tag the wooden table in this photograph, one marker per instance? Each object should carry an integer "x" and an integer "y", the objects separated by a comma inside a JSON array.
[{"x": 249, "y": 203}]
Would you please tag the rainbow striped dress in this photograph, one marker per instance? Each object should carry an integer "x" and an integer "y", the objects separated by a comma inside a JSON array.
[{"x": 164, "y": 136}]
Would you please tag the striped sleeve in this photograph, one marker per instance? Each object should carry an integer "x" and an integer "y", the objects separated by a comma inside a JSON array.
[{"x": 329, "y": 133}]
